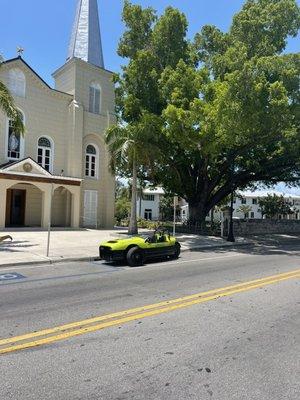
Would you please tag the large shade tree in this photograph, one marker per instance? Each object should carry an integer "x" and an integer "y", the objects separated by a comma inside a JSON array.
[{"x": 224, "y": 108}]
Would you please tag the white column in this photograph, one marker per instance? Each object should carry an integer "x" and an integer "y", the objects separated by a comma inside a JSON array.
[
  {"x": 75, "y": 209},
  {"x": 46, "y": 208},
  {"x": 68, "y": 208},
  {"x": 3, "y": 195}
]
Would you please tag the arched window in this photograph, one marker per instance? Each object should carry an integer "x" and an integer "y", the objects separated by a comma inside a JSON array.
[
  {"x": 95, "y": 98},
  {"x": 45, "y": 153},
  {"x": 91, "y": 161},
  {"x": 17, "y": 82},
  {"x": 14, "y": 141}
]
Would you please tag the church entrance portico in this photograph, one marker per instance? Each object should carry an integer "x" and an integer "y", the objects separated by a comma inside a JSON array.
[
  {"x": 28, "y": 199},
  {"x": 15, "y": 207}
]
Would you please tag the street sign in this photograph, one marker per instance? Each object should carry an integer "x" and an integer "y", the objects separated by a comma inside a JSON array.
[{"x": 11, "y": 276}]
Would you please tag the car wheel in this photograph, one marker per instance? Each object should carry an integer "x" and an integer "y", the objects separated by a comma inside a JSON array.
[
  {"x": 177, "y": 251},
  {"x": 135, "y": 257}
]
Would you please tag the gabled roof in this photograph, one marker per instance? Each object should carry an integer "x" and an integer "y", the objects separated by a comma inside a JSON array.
[
  {"x": 19, "y": 58},
  {"x": 2, "y": 166},
  {"x": 29, "y": 170},
  {"x": 12, "y": 167},
  {"x": 157, "y": 190}
]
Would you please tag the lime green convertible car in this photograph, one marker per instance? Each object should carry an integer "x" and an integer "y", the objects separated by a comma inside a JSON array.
[{"x": 136, "y": 250}]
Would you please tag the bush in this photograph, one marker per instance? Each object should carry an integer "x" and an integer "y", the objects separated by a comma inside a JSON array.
[{"x": 146, "y": 224}]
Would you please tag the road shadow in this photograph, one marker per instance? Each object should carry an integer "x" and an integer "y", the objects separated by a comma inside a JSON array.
[
  {"x": 289, "y": 246},
  {"x": 15, "y": 246}
]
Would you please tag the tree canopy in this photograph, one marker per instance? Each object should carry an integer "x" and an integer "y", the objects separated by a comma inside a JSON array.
[
  {"x": 272, "y": 206},
  {"x": 222, "y": 110}
]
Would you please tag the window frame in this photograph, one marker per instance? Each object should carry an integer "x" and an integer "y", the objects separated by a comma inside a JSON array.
[
  {"x": 51, "y": 165},
  {"x": 149, "y": 197},
  {"x": 96, "y": 88},
  {"x": 97, "y": 161},
  {"x": 148, "y": 212},
  {"x": 22, "y": 141}
]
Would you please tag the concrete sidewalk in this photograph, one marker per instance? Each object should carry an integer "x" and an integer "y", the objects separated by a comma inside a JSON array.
[{"x": 30, "y": 246}]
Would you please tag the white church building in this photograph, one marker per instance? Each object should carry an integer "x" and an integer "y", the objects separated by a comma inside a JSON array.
[{"x": 58, "y": 171}]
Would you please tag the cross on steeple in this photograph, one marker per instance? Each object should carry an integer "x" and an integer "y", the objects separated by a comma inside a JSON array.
[
  {"x": 20, "y": 51},
  {"x": 85, "y": 40}
]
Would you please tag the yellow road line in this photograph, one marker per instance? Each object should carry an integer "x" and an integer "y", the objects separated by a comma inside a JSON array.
[
  {"x": 89, "y": 321},
  {"x": 139, "y": 313}
]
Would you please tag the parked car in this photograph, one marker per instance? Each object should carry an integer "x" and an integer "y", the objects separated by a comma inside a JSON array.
[{"x": 137, "y": 249}]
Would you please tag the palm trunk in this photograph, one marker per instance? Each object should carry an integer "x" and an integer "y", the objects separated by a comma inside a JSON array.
[
  {"x": 133, "y": 229},
  {"x": 141, "y": 196}
]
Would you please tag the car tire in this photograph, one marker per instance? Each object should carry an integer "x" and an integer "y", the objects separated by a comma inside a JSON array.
[
  {"x": 177, "y": 251},
  {"x": 135, "y": 257}
]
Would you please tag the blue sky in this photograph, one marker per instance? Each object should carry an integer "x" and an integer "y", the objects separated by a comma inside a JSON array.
[{"x": 43, "y": 27}]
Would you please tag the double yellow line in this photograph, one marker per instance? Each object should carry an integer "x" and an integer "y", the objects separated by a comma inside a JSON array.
[{"x": 67, "y": 331}]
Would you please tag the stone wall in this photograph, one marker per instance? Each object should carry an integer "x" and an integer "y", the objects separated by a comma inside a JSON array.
[{"x": 265, "y": 226}]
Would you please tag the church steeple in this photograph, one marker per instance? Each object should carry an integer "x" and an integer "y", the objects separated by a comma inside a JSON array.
[{"x": 85, "y": 40}]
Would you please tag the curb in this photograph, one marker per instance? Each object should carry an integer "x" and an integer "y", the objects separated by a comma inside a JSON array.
[
  {"x": 49, "y": 262},
  {"x": 96, "y": 258}
]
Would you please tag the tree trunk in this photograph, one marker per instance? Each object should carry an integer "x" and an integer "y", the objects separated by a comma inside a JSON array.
[
  {"x": 133, "y": 229},
  {"x": 212, "y": 219},
  {"x": 197, "y": 214}
]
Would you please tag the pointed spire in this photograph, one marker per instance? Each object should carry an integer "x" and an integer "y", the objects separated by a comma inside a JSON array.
[{"x": 85, "y": 40}]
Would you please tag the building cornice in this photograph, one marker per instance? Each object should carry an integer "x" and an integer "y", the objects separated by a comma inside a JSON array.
[
  {"x": 24, "y": 177},
  {"x": 78, "y": 61},
  {"x": 7, "y": 172}
]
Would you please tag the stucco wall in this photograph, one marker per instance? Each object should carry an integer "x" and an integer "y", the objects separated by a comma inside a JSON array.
[
  {"x": 61, "y": 207},
  {"x": 75, "y": 77},
  {"x": 265, "y": 226},
  {"x": 46, "y": 113},
  {"x": 69, "y": 124}
]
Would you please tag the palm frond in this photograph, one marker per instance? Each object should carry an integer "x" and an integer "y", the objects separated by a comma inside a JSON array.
[{"x": 7, "y": 105}]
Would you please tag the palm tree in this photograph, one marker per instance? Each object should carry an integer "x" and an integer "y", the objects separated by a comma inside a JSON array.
[
  {"x": 7, "y": 105},
  {"x": 129, "y": 149}
]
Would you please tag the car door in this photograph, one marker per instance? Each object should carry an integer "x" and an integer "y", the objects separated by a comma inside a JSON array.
[{"x": 157, "y": 248}]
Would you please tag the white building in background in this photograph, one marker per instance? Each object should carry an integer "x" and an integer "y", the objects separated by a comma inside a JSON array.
[
  {"x": 251, "y": 200},
  {"x": 148, "y": 205}
]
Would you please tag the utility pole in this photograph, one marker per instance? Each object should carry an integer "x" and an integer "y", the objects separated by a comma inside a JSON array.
[
  {"x": 174, "y": 216},
  {"x": 230, "y": 237}
]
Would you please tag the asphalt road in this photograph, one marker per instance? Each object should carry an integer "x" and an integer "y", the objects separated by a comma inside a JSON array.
[{"x": 241, "y": 343}]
